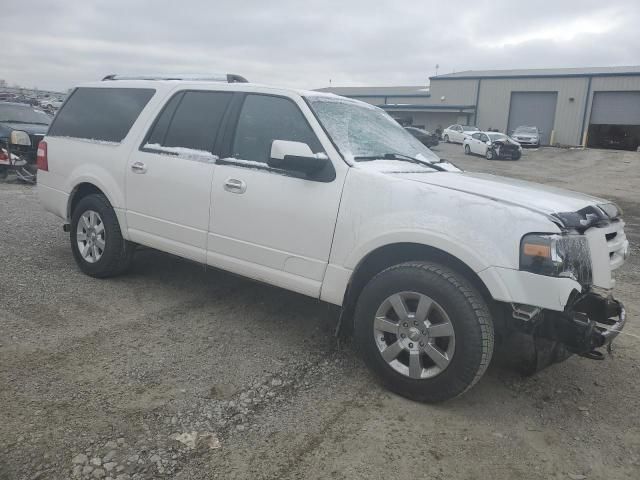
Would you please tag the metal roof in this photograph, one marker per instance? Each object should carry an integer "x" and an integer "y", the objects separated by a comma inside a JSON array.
[
  {"x": 400, "y": 91},
  {"x": 542, "y": 72}
]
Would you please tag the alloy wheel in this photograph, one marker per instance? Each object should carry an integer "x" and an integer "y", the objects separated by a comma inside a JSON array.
[
  {"x": 414, "y": 335},
  {"x": 90, "y": 236}
]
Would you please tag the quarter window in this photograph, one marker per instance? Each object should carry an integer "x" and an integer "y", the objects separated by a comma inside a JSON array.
[
  {"x": 104, "y": 114},
  {"x": 265, "y": 118}
]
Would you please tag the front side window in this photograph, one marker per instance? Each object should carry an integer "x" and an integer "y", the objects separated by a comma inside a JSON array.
[
  {"x": 265, "y": 118},
  {"x": 190, "y": 120},
  {"x": 103, "y": 114},
  {"x": 362, "y": 130},
  {"x": 476, "y": 136}
]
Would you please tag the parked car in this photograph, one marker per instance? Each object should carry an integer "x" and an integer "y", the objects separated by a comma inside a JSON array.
[
  {"x": 457, "y": 133},
  {"x": 427, "y": 138},
  {"x": 331, "y": 198},
  {"x": 21, "y": 129},
  {"x": 527, "y": 136},
  {"x": 492, "y": 145}
]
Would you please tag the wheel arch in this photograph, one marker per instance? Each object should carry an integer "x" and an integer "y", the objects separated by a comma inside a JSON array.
[
  {"x": 392, "y": 254},
  {"x": 89, "y": 187}
]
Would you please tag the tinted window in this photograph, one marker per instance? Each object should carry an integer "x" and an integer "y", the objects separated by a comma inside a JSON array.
[
  {"x": 264, "y": 119},
  {"x": 12, "y": 112},
  {"x": 162, "y": 123},
  {"x": 100, "y": 113},
  {"x": 476, "y": 136},
  {"x": 196, "y": 120}
]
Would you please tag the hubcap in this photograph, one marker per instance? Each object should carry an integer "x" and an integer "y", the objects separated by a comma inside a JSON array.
[
  {"x": 414, "y": 335},
  {"x": 90, "y": 236}
]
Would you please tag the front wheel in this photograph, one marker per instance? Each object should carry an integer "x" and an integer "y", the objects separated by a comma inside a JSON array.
[
  {"x": 490, "y": 155},
  {"x": 424, "y": 330},
  {"x": 467, "y": 150},
  {"x": 96, "y": 240}
]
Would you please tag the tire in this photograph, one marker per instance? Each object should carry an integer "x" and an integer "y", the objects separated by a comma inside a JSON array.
[
  {"x": 467, "y": 150},
  {"x": 489, "y": 154},
  {"x": 446, "y": 139},
  {"x": 453, "y": 301},
  {"x": 516, "y": 156},
  {"x": 116, "y": 252}
]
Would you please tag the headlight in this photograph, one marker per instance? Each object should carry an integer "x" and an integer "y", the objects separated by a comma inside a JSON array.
[
  {"x": 18, "y": 137},
  {"x": 557, "y": 255}
]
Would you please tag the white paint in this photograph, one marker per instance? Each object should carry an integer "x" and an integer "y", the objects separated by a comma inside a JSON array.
[{"x": 310, "y": 236}]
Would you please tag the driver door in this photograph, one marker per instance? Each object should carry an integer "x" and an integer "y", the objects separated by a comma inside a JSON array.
[{"x": 265, "y": 223}]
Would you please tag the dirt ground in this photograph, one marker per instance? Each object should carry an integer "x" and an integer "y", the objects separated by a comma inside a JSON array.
[{"x": 110, "y": 378}]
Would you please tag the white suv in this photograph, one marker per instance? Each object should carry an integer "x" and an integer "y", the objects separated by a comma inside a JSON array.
[{"x": 331, "y": 198}]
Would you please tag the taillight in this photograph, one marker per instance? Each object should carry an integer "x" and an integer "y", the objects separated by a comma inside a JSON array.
[
  {"x": 42, "y": 161},
  {"x": 4, "y": 156}
]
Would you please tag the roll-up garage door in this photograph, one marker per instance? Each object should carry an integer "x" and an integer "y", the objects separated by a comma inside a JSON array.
[
  {"x": 616, "y": 108},
  {"x": 534, "y": 109},
  {"x": 615, "y": 120}
]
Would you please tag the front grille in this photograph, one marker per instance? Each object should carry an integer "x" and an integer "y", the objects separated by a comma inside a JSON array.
[{"x": 608, "y": 246}]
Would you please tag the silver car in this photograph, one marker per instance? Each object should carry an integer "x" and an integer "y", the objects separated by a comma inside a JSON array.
[{"x": 527, "y": 136}]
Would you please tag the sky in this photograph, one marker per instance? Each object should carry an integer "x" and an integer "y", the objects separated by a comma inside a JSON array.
[{"x": 306, "y": 43}]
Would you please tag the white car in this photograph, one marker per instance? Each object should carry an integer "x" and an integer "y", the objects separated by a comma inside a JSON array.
[
  {"x": 331, "y": 198},
  {"x": 492, "y": 145},
  {"x": 457, "y": 133}
]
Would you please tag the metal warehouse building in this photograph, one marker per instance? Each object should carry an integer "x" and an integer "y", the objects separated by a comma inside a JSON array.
[{"x": 595, "y": 107}]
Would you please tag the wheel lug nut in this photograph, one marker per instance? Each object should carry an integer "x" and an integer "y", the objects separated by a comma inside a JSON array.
[
  {"x": 424, "y": 332},
  {"x": 411, "y": 345},
  {"x": 405, "y": 324},
  {"x": 422, "y": 344},
  {"x": 415, "y": 323},
  {"x": 402, "y": 335}
]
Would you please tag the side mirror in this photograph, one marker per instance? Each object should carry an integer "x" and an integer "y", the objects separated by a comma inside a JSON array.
[{"x": 295, "y": 157}]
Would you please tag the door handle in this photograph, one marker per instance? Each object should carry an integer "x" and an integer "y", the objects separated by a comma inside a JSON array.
[
  {"x": 138, "y": 167},
  {"x": 235, "y": 186}
]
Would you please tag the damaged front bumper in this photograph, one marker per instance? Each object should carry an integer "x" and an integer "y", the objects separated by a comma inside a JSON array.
[
  {"x": 589, "y": 322},
  {"x": 540, "y": 337}
]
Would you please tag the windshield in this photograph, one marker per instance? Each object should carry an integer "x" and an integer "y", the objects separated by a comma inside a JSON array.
[
  {"x": 467, "y": 128},
  {"x": 362, "y": 130},
  {"x": 23, "y": 114},
  {"x": 533, "y": 130},
  {"x": 497, "y": 136}
]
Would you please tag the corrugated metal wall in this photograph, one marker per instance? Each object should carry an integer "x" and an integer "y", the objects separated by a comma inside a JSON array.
[
  {"x": 455, "y": 92},
  {"x": 611, "y": 84},
  {"x": 495, "y": 96}
]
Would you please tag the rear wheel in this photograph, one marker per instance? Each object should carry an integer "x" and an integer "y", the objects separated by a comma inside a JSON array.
[
  {"x": 424, "y": 331},
  {"x": 96, "y": 240},
  {"x": 467, "y": 150},
  {"x": 516, "y": 156}
]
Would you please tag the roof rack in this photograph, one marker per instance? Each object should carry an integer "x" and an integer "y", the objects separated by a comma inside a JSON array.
[{"x": 222, "y": 77}]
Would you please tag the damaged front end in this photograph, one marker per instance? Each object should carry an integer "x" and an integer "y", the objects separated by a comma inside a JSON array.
[
  {"x": 591, "y": 246},
  {"x": 506, "y": 149},
  {"x": 589, "y": 323}
]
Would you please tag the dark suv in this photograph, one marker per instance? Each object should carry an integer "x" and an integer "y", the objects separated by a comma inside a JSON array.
[{"x": 21, "y": 129}]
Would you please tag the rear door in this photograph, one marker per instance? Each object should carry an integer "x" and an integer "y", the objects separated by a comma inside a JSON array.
[
  {"x": 474, "y": 144},
  {"x": 265, "y": 223},
  {"x": 169, "y": 175}
]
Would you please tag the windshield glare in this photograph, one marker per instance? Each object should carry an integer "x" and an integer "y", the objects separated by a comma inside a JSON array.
[
  {"x": 497, "y": 136},
  {"x": 362, "y": 130},
  {"x": 26, "y": 114}
]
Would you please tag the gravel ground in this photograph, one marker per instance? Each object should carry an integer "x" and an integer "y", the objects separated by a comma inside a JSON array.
[{"x": 177, "y": 371}]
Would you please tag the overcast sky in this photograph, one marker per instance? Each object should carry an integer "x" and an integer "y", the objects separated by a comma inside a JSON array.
[{"x": 304, "y": 43}]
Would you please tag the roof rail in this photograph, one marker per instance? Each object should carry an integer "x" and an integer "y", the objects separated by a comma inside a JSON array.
[{"x": 222, "y": 77}]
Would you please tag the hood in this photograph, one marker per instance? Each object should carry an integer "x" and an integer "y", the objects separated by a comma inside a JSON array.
[
  {"x": 532, "y": 196},
  {"x": 30, "y": 128}
]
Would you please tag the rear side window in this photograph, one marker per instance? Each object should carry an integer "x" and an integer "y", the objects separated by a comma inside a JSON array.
[
  {"x": 190, "y": 120},
  {"x": 264, "y": 119},
  {"x": 105, "y": 114}
]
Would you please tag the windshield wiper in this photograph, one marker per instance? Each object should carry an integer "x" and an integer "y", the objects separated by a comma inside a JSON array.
[
  {"x": 22, "y": 121},
  {"x": 402, "y": 157}
]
